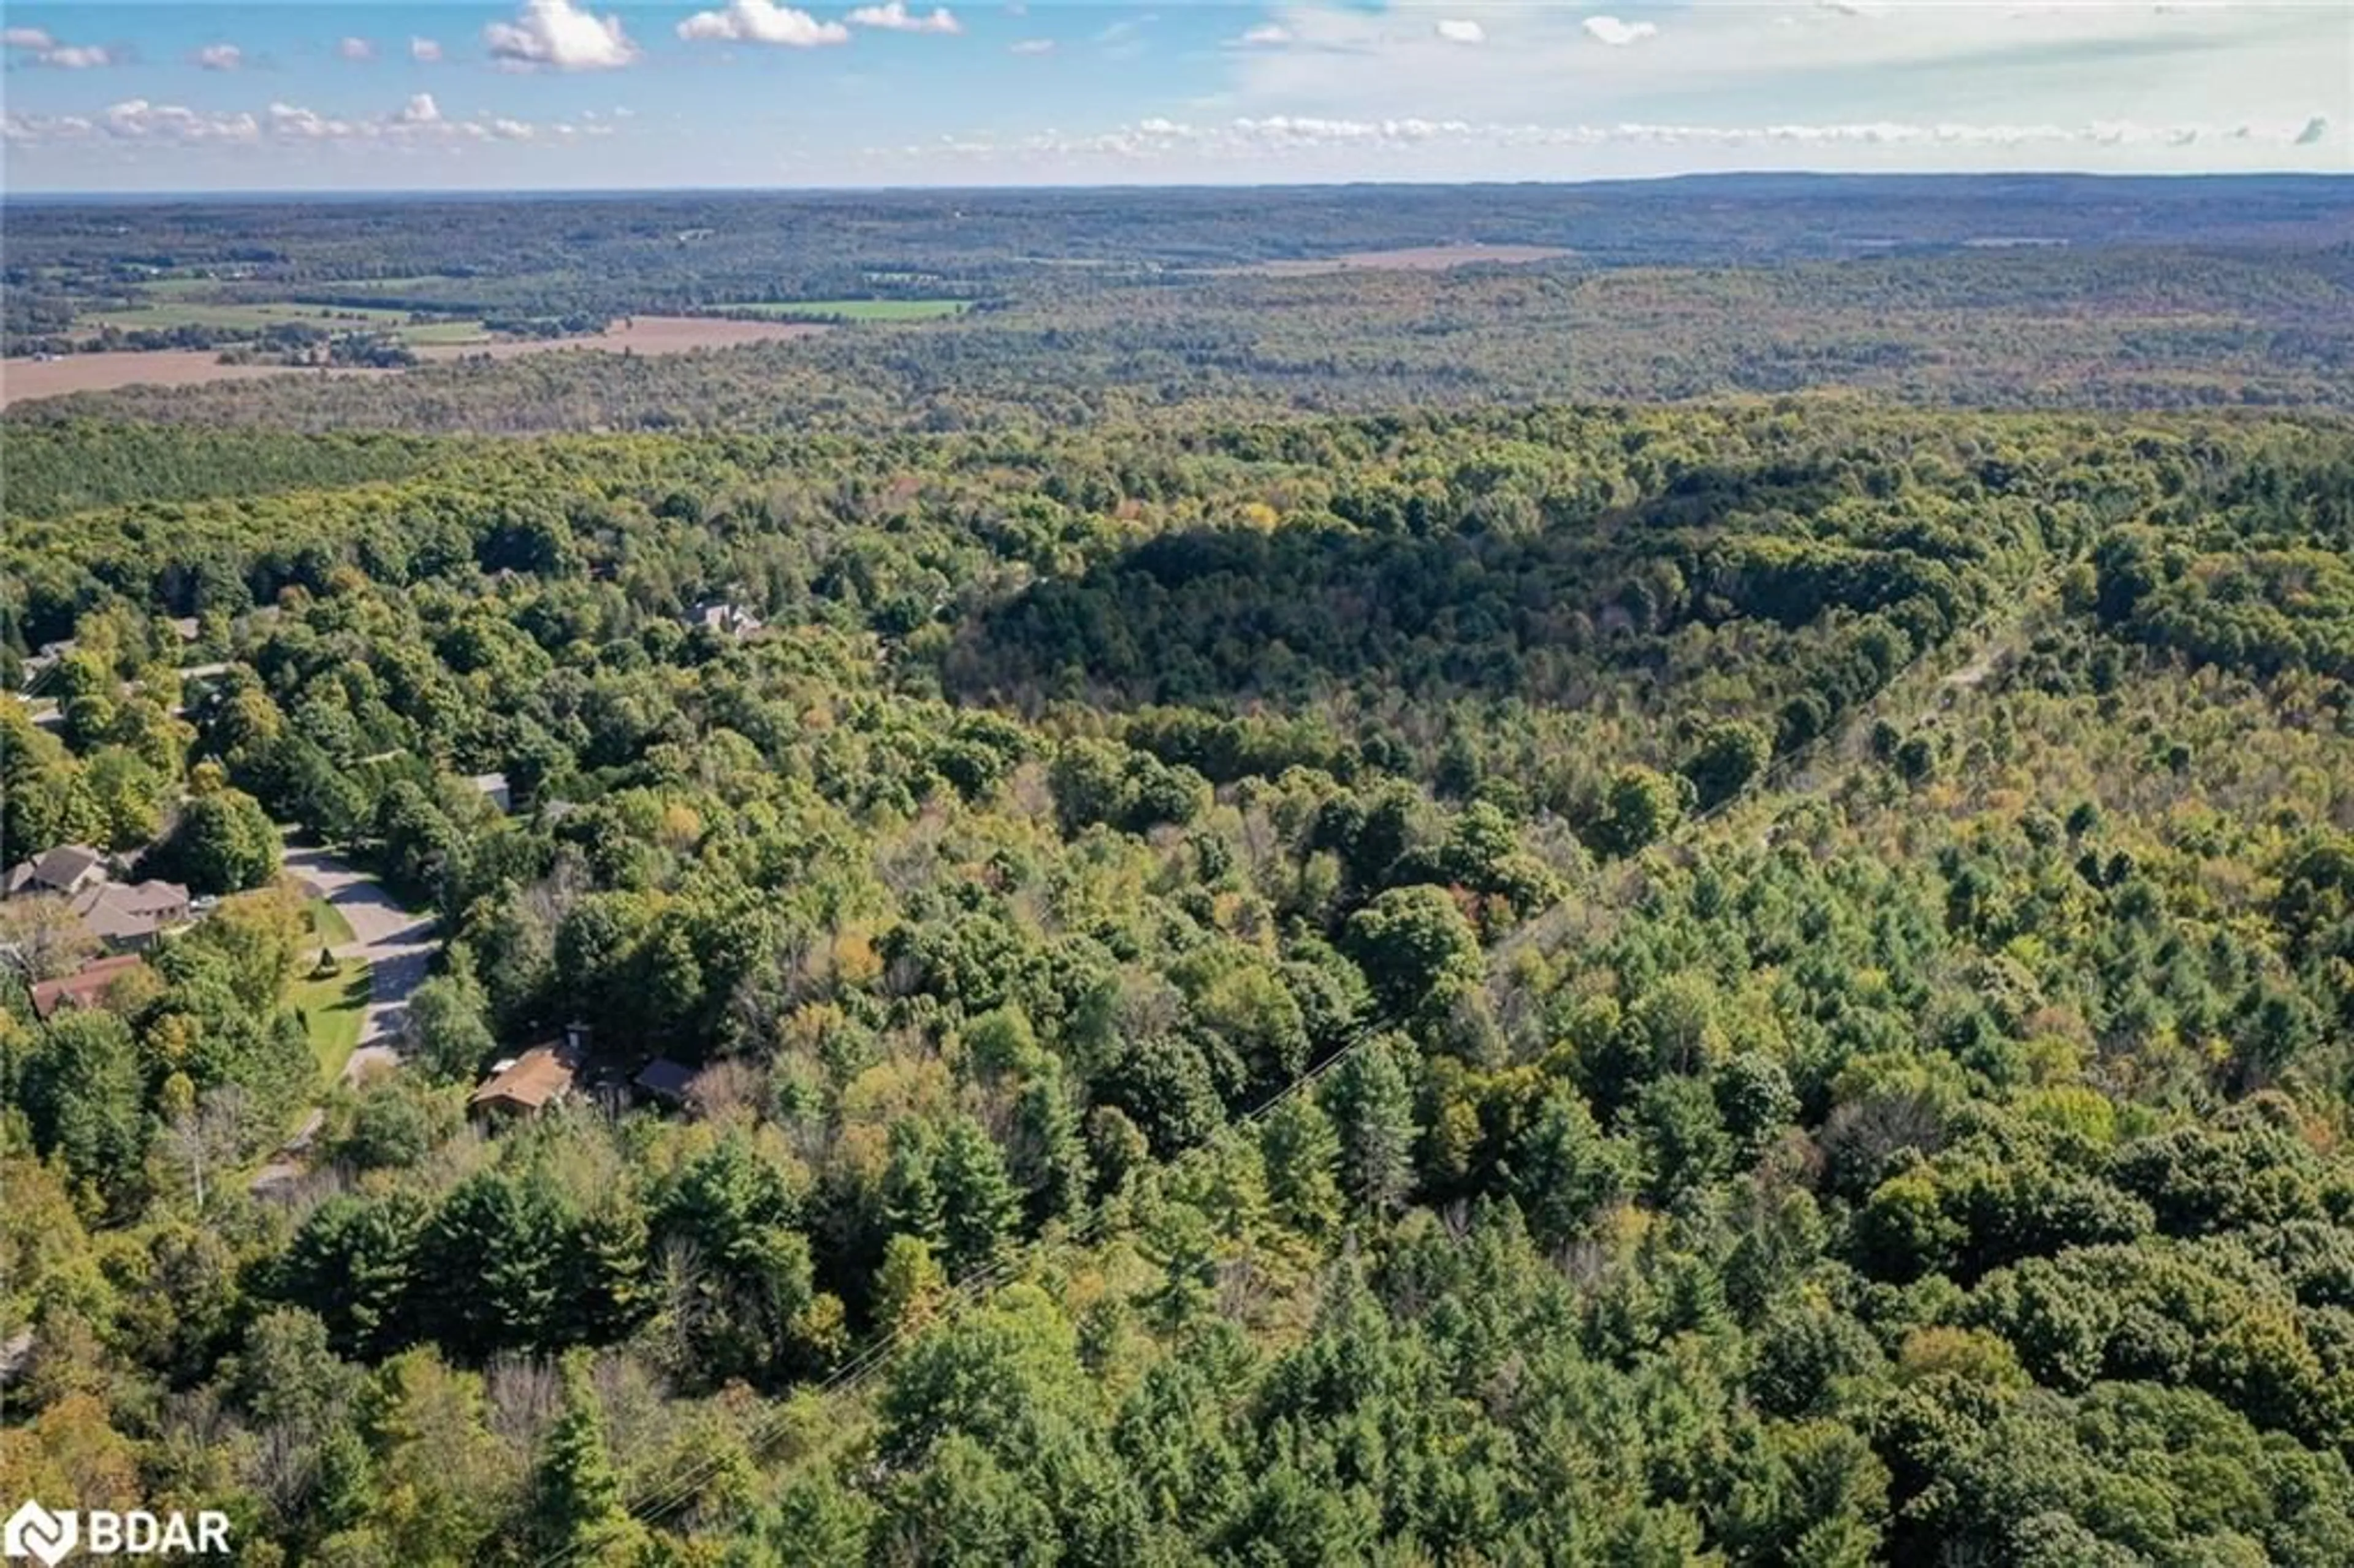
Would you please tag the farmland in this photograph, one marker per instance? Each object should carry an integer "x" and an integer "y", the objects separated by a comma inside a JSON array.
[
  {"x": 240, "y": 317},
  {"x": 855, "y": 310},
  {"x": 23, "y": 380},
  {"x": 1411, "y": 259}
]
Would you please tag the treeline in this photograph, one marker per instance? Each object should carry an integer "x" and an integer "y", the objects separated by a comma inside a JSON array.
[{"x": 80, "y": 465}]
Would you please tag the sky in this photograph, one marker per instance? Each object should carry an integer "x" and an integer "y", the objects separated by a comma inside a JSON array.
[{"x": 560, "y": 94}]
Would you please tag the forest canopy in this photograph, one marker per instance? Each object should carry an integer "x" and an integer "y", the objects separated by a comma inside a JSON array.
[
  {"x": 1308, "y": 981},
  {"x": 1194, "y": 914}
]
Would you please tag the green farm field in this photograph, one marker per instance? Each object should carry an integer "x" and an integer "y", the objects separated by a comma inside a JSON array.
[
  {"x": 182, "y": 288},
  {"x": 165, "y": 317}
]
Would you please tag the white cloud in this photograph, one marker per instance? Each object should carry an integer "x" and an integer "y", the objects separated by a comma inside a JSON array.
[
  {"x": 293, "y": 122},
  {"x": 2314, "y": 129},
  {"x": 355, "y": 49},
  {"x": 560, "y": 35},
  {"x": 2018, "y": 61},
  {"x": 1031, "y": 46},
  {"x": 424, "y": 51},
  {"x": 894, "y": 17},
  {"x": 1264, "y": 35},
  {"x": 1248, "y": 139},
  {"x": 763, "y": 22},
  {"x": 137, "y": 120},
  {"x": 1611, "y": 30},
  {"x": 418, "y": 122},
  {"x": 46, "y": 50},
  {"x": 219, "y": 57},
  {"x": 1457, "y": 31}
]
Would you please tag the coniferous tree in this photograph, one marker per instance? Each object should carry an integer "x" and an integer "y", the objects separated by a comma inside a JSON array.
[
  {"x": 576, "y": 1507},
  {"x": 1372, "y": 1106},
  {"x": 978, "y": 1201},
  {"x": 1049, "y": 1155},
  {"x": 1303, "y": 1162}
]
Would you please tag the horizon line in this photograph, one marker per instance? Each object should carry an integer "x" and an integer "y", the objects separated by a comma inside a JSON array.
[{"x": 345, "y": 195}]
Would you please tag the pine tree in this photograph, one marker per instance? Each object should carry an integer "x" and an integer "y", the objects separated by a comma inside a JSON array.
[
  {"x": 1303, "y": 1162},
  {"x": 1049, "y": 1158},
  {"x": 1182, "y": 1243},
  {"x": 1373, "y": 1108},
  {"x": 576, "y": 1507},
  {"x": 491, "y": 1260},
  {"x": 977, "y": 1199},
  {"x": 612, "y": 1296},
  {"x": 911, "y": 1192},
  {"x": 1562, "y": 1167}
]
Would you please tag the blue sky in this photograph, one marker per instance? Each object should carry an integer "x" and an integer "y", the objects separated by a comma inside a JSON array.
[{"x": 555, "y": 93}]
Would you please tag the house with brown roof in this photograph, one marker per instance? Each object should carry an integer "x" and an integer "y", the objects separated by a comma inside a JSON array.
[
  {"x": 84, "y": 988},
  {"x": 67, "y": 869},
  {"x": 128, "y": 917},
  {"x": 528, "y": 1085}
]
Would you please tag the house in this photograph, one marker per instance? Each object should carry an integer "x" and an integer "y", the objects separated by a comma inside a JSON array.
[
  {"x": 84, "y": 988},
  {"x": 128, "y": 917},
  {"x": 528, "y": 1084},
  {"x": 723, "y": 617},
  {"x": 492, "y": 787},
  {"x": 125, "y": 917},
  {"x": 664, "y": 1080},
  {"x": 68, "y": 869}
]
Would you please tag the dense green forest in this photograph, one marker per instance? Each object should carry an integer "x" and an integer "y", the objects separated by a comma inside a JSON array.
[{"x": 1760, "y": 983}]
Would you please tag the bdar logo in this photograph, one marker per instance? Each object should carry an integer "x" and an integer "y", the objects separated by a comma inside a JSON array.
[{"x": 33, "y": 1532}]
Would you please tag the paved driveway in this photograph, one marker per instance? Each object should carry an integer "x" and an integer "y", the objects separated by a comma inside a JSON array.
[{"x": 397, "y": 945}]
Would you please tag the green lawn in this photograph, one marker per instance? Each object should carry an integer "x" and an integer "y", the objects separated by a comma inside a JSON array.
[
  {"x": 332, "y": 1005},
  {"x": 181, "y": 287},
  {"x": 163, "y": 316},
  {"x": 328, "y": 926},
  {"x": 858, "y": 309},
  {"x": 418, "y": 281},
  {"x": 444, "y": 331}
]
